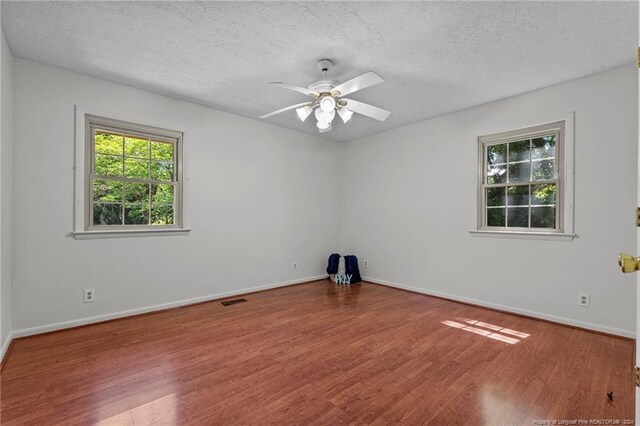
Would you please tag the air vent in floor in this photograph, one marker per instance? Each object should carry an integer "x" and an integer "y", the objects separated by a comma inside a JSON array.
[{"x": 233, "y": 302}]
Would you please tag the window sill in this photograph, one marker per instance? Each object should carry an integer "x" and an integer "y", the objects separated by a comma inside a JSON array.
[
  {"x": 551, "y": 236},
  {"x": 125, "y": 233}
]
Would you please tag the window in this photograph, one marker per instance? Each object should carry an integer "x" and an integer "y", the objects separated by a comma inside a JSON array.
[
  {"x": 133, "y": 176},
  {"x": 521, "y": 180}
]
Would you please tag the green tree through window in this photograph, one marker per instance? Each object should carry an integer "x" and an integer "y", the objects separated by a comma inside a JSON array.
[
  {"x": 133, "y": 180},
  {"x": 521, "y": 179}
]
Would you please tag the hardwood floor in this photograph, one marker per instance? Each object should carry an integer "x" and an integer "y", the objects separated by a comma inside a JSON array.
[{"x": 318, "y": 353}]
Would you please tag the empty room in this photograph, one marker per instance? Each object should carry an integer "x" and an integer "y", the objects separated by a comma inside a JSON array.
[{"x": 328, "y": 213}]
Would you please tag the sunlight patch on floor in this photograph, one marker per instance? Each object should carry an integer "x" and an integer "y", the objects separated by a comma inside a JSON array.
[
  {"x": 491, "y": 331},
  {"x": 159, "y": 411},
  {"x": 503, "y": 330}
]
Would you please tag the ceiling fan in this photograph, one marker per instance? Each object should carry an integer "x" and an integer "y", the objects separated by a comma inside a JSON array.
[{"x": 329, "y": 99}]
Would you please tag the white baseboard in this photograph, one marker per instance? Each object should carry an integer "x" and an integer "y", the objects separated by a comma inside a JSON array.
[
  {"x": 5, "y": 345},
  {"x": 533, "y": 314},
  {"x": 100, "y": 318}
]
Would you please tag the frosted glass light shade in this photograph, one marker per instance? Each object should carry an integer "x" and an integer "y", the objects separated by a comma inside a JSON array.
[
  {"x": 304, "y": 112},
  {"x": 322, "y": 125},
  {"x": 327, "y": 104},
  {"x": 328, "y": 129},
  {"x": 325, "y": 116},
  {"x": 345, "y": 114}
]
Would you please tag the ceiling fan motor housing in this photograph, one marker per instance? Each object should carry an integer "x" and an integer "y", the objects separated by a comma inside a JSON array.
[{"x": 323, "y": 86}]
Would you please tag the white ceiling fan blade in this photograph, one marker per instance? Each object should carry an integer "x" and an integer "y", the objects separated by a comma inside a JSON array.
[
  {"x": 296, "y": 88},
  {"x": 361, "y": 82},
  {"x": 366, "y": 109},
  {"x": 285, "y": 109}
]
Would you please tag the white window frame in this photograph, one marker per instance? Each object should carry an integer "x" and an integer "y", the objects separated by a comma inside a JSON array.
[
  {"x": 86, "y": 124},
  {"x": 565, "y": 180}
]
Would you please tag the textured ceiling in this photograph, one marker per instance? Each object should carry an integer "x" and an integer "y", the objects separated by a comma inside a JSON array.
[{"x": 435, "y": 57}]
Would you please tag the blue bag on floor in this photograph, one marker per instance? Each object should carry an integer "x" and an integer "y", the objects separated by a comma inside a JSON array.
[
  {"x": 332, "y": 265},
  {"x": 351, "y": 267}
]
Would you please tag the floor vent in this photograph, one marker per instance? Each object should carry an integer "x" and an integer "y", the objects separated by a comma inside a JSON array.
[{"x": 233, "y": 302}]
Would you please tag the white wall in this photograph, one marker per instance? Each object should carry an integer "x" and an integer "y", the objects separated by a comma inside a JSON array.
[
  {"x": 411, "y": 195},
  {"x": 257, "y": 197},
  {"x": 6, "y": 125}
]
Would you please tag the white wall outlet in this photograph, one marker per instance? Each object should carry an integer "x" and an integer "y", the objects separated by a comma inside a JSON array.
[
  {"x": 366, "y": 263},
  {"x": 294, "y": 266},
  {"x": 584, "y": 300},
  {"x": 89, "y": 295}
]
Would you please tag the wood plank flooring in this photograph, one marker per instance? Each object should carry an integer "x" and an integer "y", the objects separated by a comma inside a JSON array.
[{"x": 318, "y": 353}]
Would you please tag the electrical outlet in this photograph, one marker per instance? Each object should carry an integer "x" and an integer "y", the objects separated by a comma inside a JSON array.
[
  {"x": 89, "y": 295},
  {"x": 584, "y": 300},
  {"x": 366, "y": 263},
  {"x": 294, "y": 266}
]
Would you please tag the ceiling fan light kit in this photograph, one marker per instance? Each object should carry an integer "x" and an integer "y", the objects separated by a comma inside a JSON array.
[
  {"x": 328, "y": 99},
  {"x": 304, "y": 112},
  {"x": 327, "y": 104},
  {"x": 345, "y": 114}
]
